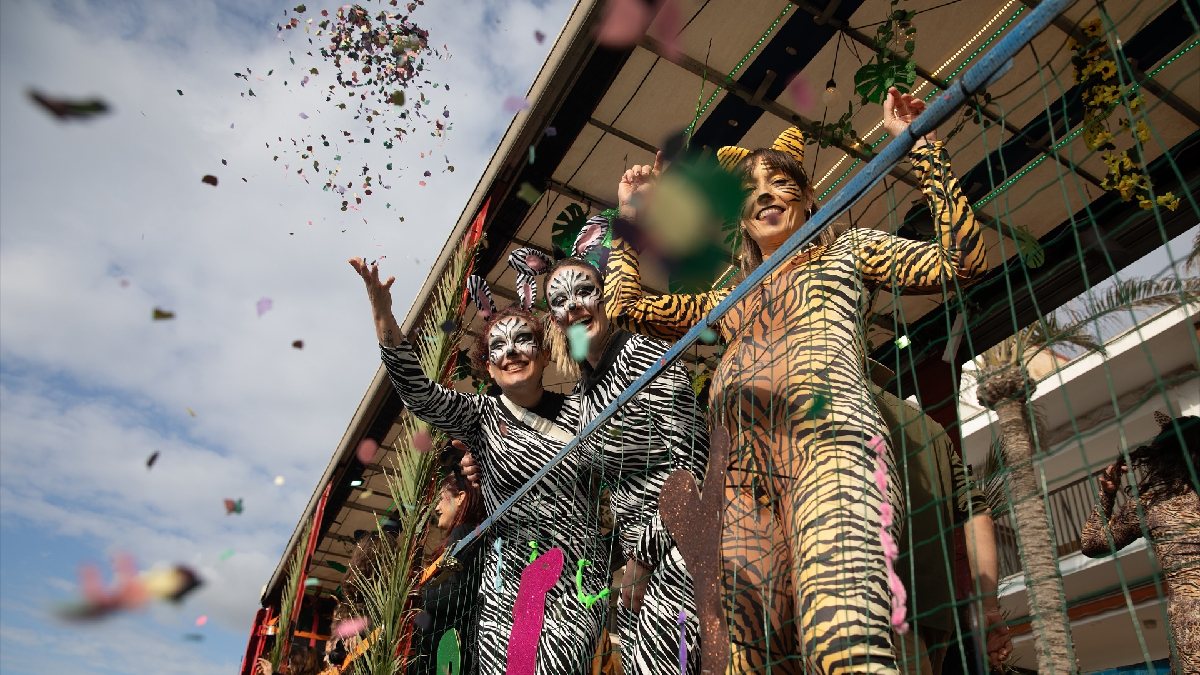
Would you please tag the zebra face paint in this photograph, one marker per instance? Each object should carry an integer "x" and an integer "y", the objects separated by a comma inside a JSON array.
[
  {"x": 569, "y": 290},
  {"x": 775, "y": 207},
  {"x": 511, "y": 343}
]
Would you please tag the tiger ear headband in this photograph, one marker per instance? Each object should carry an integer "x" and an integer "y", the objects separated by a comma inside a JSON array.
[{"x": 790, "y": 141}]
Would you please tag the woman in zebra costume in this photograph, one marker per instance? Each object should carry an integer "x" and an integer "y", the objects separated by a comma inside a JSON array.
[
  {"x": 660, "y": 430},
  {"x": 802, "y": 544},
  {"x": 512, "y": 348}
]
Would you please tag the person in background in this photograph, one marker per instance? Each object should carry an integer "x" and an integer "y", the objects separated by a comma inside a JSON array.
[
  {"x": 940, "y": 499},
  {"x": 302, "y": 660},
  {"x": 451, "y": 603},
  {"x": 1166, "y": 510}
]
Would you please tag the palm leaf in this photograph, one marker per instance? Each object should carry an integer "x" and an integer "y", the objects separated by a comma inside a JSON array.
[
  {"x": 412, "y": 482},
  {"x": 1128, "y": 295},
  {"x": 291, "y": 591},
  {"x": 1193, "y": 258}
]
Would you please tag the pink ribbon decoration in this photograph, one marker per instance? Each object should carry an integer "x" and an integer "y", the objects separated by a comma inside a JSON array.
[
  {"x": 529, "y": 611},
  {"x": 890, "y": 549}
]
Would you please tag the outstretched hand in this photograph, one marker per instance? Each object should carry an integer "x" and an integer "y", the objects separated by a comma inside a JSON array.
[
  {"x": 1110, "y": 480},
  {"x": 899, "y": 111},
  {"x": 636, "y": 186},
  {"x": 380, "y": 295}
]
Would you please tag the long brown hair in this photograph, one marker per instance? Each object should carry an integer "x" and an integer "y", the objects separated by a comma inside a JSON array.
[
  {"x": 749, "y": 255},
  {"x": 1163, "y": 463},
  {"x": 470, "y": 513}
]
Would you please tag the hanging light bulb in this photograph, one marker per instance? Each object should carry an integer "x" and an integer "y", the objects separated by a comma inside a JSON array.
[
  {"x": 903, "y": 33},
  {"x": 831, "y": 96}
]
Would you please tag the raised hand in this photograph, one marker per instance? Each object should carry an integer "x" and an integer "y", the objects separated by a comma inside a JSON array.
[
  {"x": 1110, "y": 480},
  {"x": 636, "y": 186},
  {"x": 899, "y": 110},
  {"x": 380, "y": 295}
]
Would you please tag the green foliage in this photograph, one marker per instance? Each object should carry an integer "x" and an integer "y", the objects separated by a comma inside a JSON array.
[
  {"x": 891, "y": 67},
  {"x": 1030, "y": 248},
  {"x": 291, "y": 592},
  {"x": 835, "y": 132},
  {"x": 568, "y": 225}
]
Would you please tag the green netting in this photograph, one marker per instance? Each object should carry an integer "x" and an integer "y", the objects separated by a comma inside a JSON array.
[{"x": 1003, "y": 396}]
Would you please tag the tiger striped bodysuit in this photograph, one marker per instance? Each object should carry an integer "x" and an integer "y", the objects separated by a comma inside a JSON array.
[{"x": 801, "y": 544}]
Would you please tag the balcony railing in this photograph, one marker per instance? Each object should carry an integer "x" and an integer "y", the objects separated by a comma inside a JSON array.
[{"x": 1069, "y": 507}]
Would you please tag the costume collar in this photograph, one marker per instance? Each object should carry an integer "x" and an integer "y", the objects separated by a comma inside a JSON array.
[{"x": 591, "y": 376}]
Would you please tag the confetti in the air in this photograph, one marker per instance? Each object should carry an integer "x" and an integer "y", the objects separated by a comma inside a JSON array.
[
  {"x": 201, "y": 620},
  {"x": 131, "y": 590},
  {"x": 209, "y": 179},
  {"x": 367, "y": 448},
  {"x": 312, "y": 581},
  {"x": 577, "y": 337},
  {"x": 539, "y": 36},
  {"x": 448, "y": 327},
  {"x": 180, "y": 91},
  {"x": 350, "y": 627},
  {"x": 422, "y": 441},
  {"x": 529, "y": 194},
  {"x": 153, "y": 458},
  {"x": 67, "y": 109},
  {"x": 226, "y": 555},
  {"x": 278, "y": 480},
  {"x": 515, "y": 104},
  {"x": 623, "y": 23},
  {"x": 193, "y": 637},
  {"x": 161, "y": 314},
  {"x": 232, "y": 507},
  {"x": 190, "y": 411},
  {"x": 263, "y": 306},
  {"x": 551, "y": 131},
  {"x": 708, "y": 336},
  {"x": 298, "y": 344}
]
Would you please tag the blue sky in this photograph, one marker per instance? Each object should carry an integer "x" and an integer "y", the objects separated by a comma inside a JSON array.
[{"x": 90, "y": 386}]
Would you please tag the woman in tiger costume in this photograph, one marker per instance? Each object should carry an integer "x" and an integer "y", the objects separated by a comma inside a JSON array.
[{"x": 802, "y": 543}]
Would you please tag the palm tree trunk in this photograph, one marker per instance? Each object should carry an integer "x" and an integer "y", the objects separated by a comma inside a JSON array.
[{"x": 1007, "y": 394}]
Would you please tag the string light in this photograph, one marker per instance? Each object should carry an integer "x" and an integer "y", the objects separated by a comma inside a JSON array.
[
  {"x": 729, "y": 78},
  {"x": 946, "y": 64}
]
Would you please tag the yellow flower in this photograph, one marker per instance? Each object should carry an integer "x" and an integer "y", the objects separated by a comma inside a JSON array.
[
  {"x": 1146, "y": 204},
  {"x": 1143, "y": 131},
  {"x": 1169, "y": 200},
  {"x": 1136, "y": 102},
  {"x": 1092, "y": 28},
  {"x": 1095, "y": 136},
  {"x": 1072, "y": 44},
  {"x": 1107, "y": 68},
  {"x": 1113, "y": 161}
]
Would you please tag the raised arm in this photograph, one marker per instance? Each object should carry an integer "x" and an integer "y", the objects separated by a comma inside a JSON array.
[
  {"x": 455, "y": 413},
  {"x": 901, "y": 264},
  {"x": 666, "y": 317},
  {"x": 1124, "y": 525}
]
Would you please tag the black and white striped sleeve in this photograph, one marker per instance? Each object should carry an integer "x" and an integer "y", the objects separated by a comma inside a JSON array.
[{"x": 455, "y": 413}]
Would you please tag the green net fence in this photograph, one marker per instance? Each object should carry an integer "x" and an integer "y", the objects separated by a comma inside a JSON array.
[{"x": 885, "y": 448}]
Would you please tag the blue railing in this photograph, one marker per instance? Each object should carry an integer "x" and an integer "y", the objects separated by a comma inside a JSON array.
[{"x": 990, "y": 67}]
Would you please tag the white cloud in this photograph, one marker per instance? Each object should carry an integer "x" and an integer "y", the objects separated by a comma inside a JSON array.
[{"x": 91, "y": 386}]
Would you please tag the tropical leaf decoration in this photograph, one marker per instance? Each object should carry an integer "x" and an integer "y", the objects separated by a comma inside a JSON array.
[
  {"x": 892, "y": 66},
  {"x": 291, "y": 591},
  {"x": 1030, "y": 248},
  {"x": 412, "y": 481},
  {"x": 567, "y": 226}
]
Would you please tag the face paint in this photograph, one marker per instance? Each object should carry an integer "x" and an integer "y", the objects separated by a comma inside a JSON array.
[
  {"x": 511, "y": 335},
  {"x": 569, "y": 289}
]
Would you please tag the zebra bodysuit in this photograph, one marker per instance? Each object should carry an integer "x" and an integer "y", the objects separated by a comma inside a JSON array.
[
  {"x": 801, "y": 545},
  {"x": 658, "y": 431},
  {"x": 552, "y": 514}
]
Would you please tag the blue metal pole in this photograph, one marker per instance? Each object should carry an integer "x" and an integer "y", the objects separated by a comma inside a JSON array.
[{"x": 990, "y": 67}]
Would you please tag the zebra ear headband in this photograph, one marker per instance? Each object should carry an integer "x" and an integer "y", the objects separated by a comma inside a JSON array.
[{"x": 529, "y": 263}]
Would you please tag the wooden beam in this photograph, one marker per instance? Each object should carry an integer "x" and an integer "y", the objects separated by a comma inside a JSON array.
[
  {"x": 578, "y": 195},
  {"x": 608, "y": 129}
]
